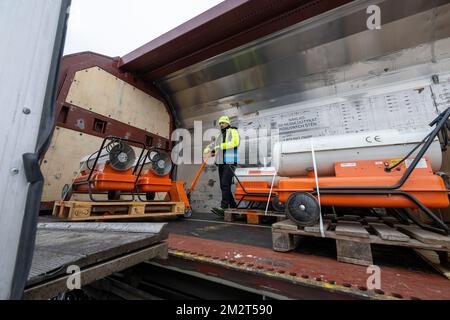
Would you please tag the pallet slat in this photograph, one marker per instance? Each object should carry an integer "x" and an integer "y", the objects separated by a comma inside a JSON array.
[
  {"x": 253, "y": 216},
  {"x": 425, "y": 236},
  {"x": 372, "y": 219},
  {"x": 349, "y": 218},
  {"x": 433, "y": 259},
  {"x": 285, "y": 225},
  {"x": 90, "y": 211},
  {"x": 316, "y": 228},
  {"x": 353, "y": 241},
  {"x": 352, "y": 230},
  {"x": 387, "y": 233},
  {"x": 390, "y": 220}
]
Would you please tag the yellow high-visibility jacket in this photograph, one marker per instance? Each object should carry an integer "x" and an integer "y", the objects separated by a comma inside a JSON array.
[{"x": 226, "y": 150}]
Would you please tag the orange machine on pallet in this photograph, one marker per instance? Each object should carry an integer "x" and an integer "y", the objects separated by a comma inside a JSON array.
[
  {"x": 154, "y": 177},
  {"x": 115, "y": 170},
  {"x": 409, "y": 183},
  {"x": 112, "y": 170}
]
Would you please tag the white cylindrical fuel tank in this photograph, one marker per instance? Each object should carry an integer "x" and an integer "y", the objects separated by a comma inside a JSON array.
[{"x": 294, "y": 158}]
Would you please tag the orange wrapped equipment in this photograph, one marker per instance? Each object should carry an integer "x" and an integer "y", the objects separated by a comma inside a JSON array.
[
  {"x": 156, "y": 178},
  {"x": 151, "y": 183},
  {"x": 423, "y": 184},
  {"x": 106, "y": 180},
  {"x": 155, "y": 174},
  {"x": 407, "y": 183},
  {"x": 422, "y": 190},
  {"x": 112, "y": 170}
]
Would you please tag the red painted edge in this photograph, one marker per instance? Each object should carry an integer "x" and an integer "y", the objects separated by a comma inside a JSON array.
[
  {"x": 396, "y": 282},
  {"x": 180, "y": 31},
  {"x": 219, "y": 30}
]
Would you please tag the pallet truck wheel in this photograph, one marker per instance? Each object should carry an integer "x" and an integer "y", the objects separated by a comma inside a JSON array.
[
  {"x": 188, "y": 213},
  {"x": 150, "y": 196},
  {"x": 277, "y": 205},
  {"x": 113, "y": 195},
  {"x": 303, "y": 209}
]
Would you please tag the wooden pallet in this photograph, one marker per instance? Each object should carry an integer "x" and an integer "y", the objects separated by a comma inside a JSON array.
[
  {"x": 252, "y": 216},
  {"x": 439, "y": 261},
  {"x": 354, "y": 237},
  {"x": 101, "y": 211}
]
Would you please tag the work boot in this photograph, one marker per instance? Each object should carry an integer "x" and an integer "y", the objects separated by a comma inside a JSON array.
[{"x": 218, "y": 212}]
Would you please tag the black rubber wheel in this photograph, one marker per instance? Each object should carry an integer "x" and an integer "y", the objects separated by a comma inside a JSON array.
[
  {"x": 188, "y": 213},
  {"x": 277, "y": 205},
  {"x": 303, "y": 209},
  {"x": 150, "y": 196},
  {"x": 113, "y": 195}
]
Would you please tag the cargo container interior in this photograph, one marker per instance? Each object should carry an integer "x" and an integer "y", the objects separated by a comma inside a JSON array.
[{"x": 306, "y": 68}]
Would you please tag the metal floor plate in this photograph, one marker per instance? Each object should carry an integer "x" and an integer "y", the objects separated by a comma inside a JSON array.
[{"x": 61, "y": 245}]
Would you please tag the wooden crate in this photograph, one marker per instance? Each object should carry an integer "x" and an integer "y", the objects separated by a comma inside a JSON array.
[
  {"x": 101, "y": 211},
  {"x": 354, "y": 238},
  {"x": 252, "y": 216}
]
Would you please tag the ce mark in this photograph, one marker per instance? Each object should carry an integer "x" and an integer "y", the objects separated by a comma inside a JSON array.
[{"x": 371, "y": 139}]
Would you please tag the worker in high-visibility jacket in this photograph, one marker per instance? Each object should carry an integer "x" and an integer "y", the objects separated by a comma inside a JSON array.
[{"x": 225, "y": 149}]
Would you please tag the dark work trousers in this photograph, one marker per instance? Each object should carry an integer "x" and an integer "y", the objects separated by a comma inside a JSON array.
[{"x": 226, "y": 180}]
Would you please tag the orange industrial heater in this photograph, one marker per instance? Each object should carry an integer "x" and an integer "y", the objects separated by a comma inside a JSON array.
[
  {"x": 112, "y": 170},
  {"x": 154, "y": 177},
  {"x": 115, "y": 170},
  {"x": 378, "y": 183}
]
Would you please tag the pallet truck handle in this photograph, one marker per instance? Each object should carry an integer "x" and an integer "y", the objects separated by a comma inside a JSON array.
[{"x": 197, "y": 176}]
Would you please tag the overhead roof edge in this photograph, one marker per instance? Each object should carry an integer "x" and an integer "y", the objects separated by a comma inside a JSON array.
[{"x": 229, "y": 25}]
